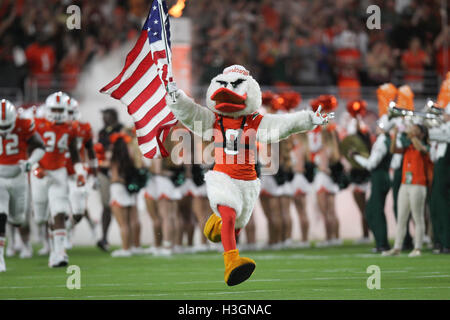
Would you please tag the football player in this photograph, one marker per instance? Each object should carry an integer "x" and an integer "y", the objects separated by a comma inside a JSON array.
[
  {"x": 77, "y": 187},
  {"x": 17, "y": 140},
  {"x": 49, "y": 180}
]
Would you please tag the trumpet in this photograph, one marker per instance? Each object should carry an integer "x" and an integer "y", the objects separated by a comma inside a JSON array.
[{"x": 432, "y": 116}]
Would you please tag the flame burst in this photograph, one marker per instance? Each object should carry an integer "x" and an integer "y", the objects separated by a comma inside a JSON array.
[{"x": 177, "y": 10}]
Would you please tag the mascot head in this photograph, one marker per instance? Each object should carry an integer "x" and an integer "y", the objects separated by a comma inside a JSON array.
[{"x": 234, "y": 93}]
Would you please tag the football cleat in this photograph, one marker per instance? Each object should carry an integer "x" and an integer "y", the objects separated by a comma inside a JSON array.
[
  {"x": 26, "y": 251},
  {"x": 121, "y": 253},
  {"x": 58, "y": 260},
  {"x": 415, "y": 253}
]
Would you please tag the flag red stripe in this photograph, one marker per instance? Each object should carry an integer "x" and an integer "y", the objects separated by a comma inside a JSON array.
[
  {"x": 132, "y": 55},
  {"x": 151, "y": 153},
  {"x": 159, "y": 55},
  {"x": 150, "y": 114},
  {"x": 144, "y": 95},
  {"x": 155, "y": 131}
]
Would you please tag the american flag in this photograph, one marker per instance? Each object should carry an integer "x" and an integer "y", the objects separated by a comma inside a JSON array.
[{"x": 141, "y": 85}]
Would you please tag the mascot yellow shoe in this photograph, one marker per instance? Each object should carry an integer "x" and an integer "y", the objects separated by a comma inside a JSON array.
[
  {"x": 237, "y": 269},
  {"x": 213, "y": 228}
]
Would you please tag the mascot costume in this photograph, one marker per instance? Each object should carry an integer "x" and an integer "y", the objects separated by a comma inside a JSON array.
[{"x": 231, "y": 120}]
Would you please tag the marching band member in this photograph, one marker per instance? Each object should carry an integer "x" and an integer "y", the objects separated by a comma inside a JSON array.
[
  {"x": 439, "y": 199},
  {"x": 359, "y": 178},
  {"x": 378, "y": 165},
  {"x": 412, "y": 192}
]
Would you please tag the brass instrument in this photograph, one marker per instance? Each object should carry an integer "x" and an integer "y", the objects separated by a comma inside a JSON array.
[
  {"x": 353, "y": 143},
  {"x": 432, "y": 116}
]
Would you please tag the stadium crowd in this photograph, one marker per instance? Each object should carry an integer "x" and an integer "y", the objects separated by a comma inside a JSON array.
[{"x": 284, "y": 42}]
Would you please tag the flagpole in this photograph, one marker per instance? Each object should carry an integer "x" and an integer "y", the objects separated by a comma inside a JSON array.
[{"x": 168, "y": 53}]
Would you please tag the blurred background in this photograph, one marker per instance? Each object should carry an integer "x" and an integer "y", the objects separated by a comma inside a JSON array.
[
  {"x": 312, "y": 47},
  {"x": 305, "y": 44}
]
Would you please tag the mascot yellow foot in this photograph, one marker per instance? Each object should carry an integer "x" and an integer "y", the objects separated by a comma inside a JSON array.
[
  {"x": 213, "y": 228},
  {"x": 237, "y": 269}
]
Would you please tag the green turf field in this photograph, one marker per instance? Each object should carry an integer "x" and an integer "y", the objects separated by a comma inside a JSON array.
[{"x": 318, "y": 273}]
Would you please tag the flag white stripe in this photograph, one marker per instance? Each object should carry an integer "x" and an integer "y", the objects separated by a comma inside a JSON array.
[
  {"x": 149, "y": 104},
  {"x": 140, "y": 85},
  {"x": 148, "y": 146},
  {"x": 153, "y": 122},
  {"x": 129, "y": 71}
]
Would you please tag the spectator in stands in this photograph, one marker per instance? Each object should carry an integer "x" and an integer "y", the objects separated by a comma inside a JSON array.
[
  {"x": 413, "y": 62},
  {"x": 41, "y": 60},
  {"x": 442, "y": 66},
  {"x": 380, "y": 63}
]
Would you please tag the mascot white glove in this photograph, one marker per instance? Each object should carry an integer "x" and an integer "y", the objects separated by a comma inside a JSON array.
[{"x": 321, "y": 119}]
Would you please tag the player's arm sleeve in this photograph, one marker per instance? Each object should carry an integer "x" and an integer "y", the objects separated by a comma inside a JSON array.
[
  {"x": 93, "y": 161},
  {"x": 379, "y": 150},
  {"x": 36, "y": 148},
  {"x": 276, "y": 127},
  {"x": 198, "y": 119},
  {"x": 73, "y": 150}
]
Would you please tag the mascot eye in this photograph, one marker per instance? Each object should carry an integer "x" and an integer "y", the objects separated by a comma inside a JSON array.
[
  {"x": 237, "y": 82},
  {"x": 223, "y": 83}
]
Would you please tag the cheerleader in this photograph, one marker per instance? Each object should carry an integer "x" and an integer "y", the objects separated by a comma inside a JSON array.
[
  {"x": 123, "y": 200},
  {"x": 324, "y": 153},
  {"x": 300, "y": 186}
]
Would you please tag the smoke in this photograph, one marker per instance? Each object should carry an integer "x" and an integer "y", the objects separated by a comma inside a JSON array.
[{"x": 99, "y": 72}]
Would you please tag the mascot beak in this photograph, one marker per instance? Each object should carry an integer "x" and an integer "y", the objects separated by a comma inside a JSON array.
[{"x": 228, "y": 101}]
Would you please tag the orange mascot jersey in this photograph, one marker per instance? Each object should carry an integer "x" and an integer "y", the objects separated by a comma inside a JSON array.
[
  {"x": 57, "y": 138},
  {"x": 235, "y": 145},
  {"x": 13, "y": 146},
  {"x": 83, "y": 133}
]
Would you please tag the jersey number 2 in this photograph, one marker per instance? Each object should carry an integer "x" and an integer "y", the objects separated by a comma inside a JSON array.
[{"x": 11, "y": 146}]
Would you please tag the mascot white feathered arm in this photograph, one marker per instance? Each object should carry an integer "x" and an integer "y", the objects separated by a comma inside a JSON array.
[
  {"x": 198, "y": 119},
  {"x": 276, "y": 127}
]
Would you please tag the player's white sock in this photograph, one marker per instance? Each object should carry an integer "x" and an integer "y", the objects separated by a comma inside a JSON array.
[
  {"x": 2, "y": 246},
  {"x": 11, "y": 234},
  {"x": 59, "y": 238},
  {"x": 69, "y": 224},
  {"x": 51, "y": 243}
]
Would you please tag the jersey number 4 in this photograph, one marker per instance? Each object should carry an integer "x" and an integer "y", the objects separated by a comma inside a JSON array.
[
  {"x": 62, "y": 144},
  {"x": 11, "y": 143}
]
